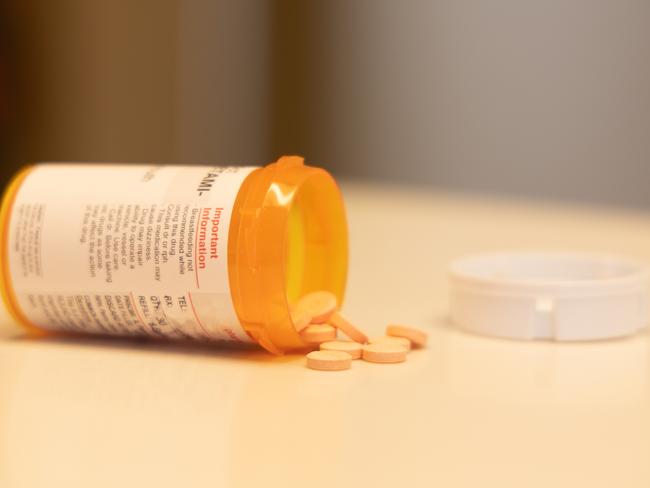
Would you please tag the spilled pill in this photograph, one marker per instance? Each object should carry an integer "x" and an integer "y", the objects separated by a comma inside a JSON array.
[
  {"x": 320, "y": 305},
  {"x": 384, "y": 353},
  {"x": 329, "y": 360},
  {"x": 317, "y": 333},
  {"x": 417, "y": 337},
  {"x": 400, "y": 341},
  {"x": 300, "y": 318},
  {"x": 350, "y": 347},
  {"x": 347, "y": 328}
]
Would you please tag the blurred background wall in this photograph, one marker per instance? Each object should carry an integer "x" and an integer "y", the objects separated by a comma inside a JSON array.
[
  {"x": 542, "y": 98},
  {"x": 135, "y": 80},
  {"x": 89, "y": 80}
]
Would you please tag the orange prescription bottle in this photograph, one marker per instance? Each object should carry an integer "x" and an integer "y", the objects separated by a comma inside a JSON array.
[{"x": 178, "y": 252}]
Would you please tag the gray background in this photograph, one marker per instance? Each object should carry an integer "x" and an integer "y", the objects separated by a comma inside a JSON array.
[{"x": 540, "y": 98}]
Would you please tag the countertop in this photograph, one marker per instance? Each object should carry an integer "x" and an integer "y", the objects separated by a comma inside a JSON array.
[{"x": 467, "y": 411}]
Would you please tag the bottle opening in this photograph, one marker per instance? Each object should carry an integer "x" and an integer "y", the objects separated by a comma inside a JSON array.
[
  {"x": 288, "y": 239},
  {"x": 315, "y": 245}
]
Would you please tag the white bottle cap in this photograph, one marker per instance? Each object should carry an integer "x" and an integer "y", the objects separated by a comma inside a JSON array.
[{"x": 558, "y": 296}]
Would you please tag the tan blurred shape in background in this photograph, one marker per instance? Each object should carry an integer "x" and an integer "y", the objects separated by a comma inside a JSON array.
[{"x": 148, "y": 81}]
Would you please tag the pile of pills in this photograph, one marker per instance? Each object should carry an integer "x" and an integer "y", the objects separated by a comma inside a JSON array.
[{"x": 318, "y": 321}]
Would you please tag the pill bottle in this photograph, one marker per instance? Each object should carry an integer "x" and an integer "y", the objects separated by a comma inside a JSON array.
[{"x": 176, "y": 252}]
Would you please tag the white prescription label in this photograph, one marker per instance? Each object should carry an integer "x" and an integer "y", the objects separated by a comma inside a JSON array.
[{"x": 126, "y": 250}]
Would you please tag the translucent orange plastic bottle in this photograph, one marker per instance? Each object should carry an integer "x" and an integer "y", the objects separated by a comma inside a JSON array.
[{"x": 173, "y": 252}]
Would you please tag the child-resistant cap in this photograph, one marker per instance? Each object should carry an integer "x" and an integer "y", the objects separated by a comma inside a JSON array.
[{"x": 549, "y": 295}]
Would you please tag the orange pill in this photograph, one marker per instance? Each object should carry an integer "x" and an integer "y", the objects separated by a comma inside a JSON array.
[
  {"x": 300, "y": 318},
  {"x": 384, "y": 353},
  {"x": 347, "y": 328},
  {"x": 352, "y": 348},
  {"x": 417, "y": 337},
  {"x": 315, "y": 334},
  {"x": 329, "y": 360},
  {"x": 320, "y": 305},
  {"x": 400, "y": 341}
]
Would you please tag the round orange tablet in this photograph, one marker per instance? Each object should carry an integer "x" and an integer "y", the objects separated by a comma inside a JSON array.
[
  {"x": 347, "y": 328},
  {"x": 400, "y": 341},
  {"x": 329, "y": 360},
  {"x": 352, "y": 348},
  {"x": 300, "y": 318},
  {"x": 315, "y": 334},
  {"x": 320, "y": 305},
  {"x": 384, "y": 353},
  {"x": 417, "y": 337}
]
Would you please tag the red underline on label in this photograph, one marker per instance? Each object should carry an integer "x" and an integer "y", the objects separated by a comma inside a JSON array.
[
  {"x": 196, "y": 244},
  {"x": 135, "y": 309},
  {"x": 196, "y": 316}
]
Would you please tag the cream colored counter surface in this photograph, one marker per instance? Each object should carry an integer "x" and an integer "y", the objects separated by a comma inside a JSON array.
[{"x": 466, "y": 412}]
